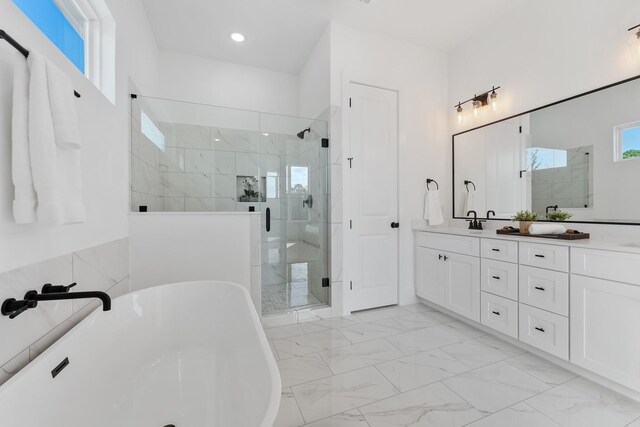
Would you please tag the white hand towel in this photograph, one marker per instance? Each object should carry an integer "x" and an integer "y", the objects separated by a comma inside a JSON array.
[
  {"x": 24, "y": 203},
  {"x": 547, "y": 229},
  {"x": 63, "y": 108},
  {"x": 55, "y": 169},
  {"x": 433, "y": 207},
  {"x": 469, "y": 202}
]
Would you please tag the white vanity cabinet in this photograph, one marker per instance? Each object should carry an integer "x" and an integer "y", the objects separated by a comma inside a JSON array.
[
  {"x": 605, "y": 315},
  {"x": 579, "y": 302},
  {"x": 448, "y": 278}
]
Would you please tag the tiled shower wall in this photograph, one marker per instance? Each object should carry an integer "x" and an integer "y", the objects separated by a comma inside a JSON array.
[
  {"x": 569, "y": 187},
  {"x": 100, "y": 268}
]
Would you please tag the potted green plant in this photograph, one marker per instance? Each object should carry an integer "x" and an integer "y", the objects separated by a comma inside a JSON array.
[
  {"x": 526, "y": 218},
  {"x": 559, "y": 216}
]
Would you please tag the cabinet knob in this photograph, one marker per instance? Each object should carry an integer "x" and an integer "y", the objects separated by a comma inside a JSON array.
[
  {"x": 446, "y": 257},
  {"x": 439, "y": 256}
]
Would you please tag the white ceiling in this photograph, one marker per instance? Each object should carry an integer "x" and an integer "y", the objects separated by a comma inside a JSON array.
[{"x": 281, "y": 33}]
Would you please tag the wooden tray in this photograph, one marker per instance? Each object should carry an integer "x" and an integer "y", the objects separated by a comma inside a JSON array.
[{"x": 564, "y": 236}]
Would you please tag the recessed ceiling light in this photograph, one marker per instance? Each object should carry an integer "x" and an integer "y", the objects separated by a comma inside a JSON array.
[
  {"x": 265, "y": 134},
  {"x": 237, "y": 37},
  {"x": 216, "y": 139}
]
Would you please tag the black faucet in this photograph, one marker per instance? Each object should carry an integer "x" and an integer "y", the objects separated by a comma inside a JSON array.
[
  {"x": 554, "y": 207},
  {"x": 13, "y": 308},
  {"x": 491, "y": 212},
  {"x": 474, "y": 224}
]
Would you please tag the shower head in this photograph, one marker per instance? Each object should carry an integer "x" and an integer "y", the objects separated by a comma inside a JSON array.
[{"x": 301, "y": 134}]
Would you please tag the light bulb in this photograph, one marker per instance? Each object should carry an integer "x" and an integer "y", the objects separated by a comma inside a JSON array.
[
  {"x": 460, "y": 118},
  {"x": 476, "y": 108},
  {"x": 494, "y": 101}
]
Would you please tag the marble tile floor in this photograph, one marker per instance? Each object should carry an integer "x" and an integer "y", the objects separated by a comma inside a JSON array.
[{"x": 414, "y": 366}]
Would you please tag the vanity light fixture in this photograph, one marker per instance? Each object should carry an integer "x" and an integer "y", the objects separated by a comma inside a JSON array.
[
  {"x": 635, "y": 40},
  {"x": 479, "y": 101},
  {"x": 237, "y": 37}
]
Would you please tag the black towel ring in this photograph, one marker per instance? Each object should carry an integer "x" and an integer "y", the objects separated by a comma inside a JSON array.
[
  {"x": 466, "y": 184},
  {"x": 429, "y": 181}
]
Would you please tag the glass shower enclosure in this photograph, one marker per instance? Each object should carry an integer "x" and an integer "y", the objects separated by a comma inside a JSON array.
[{"x": 188, "y": 157}]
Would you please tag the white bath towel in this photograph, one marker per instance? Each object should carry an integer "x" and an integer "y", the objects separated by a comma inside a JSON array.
[
  {"x": 55, "y": 168},
  {"x": 24, "y": 202},
  {"x": 433, "y": 207},
  {"x": 469, "y": 202},
  {"x": 63, "y": 108},
  {"x": 547, "y": 229}
]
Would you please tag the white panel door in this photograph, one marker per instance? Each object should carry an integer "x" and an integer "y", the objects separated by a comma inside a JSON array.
[
  {"x": 463, "y": 285},
  {"x": 605, "y": 329},
  {"x": 372, "y": 198},
  {"x": 429, "y": 277}
]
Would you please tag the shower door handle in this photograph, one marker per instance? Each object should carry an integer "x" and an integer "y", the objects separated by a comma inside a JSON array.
[{"x": 268, "y": 220}]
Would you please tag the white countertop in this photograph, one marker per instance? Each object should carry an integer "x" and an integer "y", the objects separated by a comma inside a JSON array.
[{"x": 617, "y": 245}]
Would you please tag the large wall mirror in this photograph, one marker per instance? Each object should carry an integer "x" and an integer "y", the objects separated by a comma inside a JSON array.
[{"x": 580, "y": 156}]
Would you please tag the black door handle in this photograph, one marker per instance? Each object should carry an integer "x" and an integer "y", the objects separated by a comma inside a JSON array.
[
  {"x": 395, "y": 225},
  {"x": 268, "y": 219},
  {"x": 497, "y": 313},
  {"x": 496, "y": 277},
  {"x": 539, "y": 256},
  {"x": 539, "y": 329},
  {"x": 540, "y": 288}
]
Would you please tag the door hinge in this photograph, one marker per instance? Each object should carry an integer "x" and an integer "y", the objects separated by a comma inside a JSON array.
[
  {"x": 350, "y": 285},
  {"x": 325, "y": 282},
  {"x": 325, "y": 142}
]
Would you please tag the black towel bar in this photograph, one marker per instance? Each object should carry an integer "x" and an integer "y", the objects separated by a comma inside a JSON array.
[
  {"x": 466, "y": 184},
  {"x": 21, "y": 49}
]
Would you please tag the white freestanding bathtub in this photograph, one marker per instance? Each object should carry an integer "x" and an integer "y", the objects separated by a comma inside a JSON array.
[{"x": 188, "y": 354}]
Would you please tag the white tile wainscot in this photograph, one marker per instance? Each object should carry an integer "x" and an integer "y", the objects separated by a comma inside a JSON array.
[{"x": 576, "y": 303}]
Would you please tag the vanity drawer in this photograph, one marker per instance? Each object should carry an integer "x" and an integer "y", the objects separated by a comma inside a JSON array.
[
  {"x": 499, "y": 313},
  {"x": 545, "y": 289},
  {"x": 544, "y": 330},
  {"x": 544, "y": 256},
  {"x": 447, "y": 242},
  {"x": 617, "y": 266},
  {"x": 501, "y": 250},
  {"x": 499, "y": 278}
]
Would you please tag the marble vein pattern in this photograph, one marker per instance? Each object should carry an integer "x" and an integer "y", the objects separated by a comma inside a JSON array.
[
  {"x": 371, "y": 371},
  {"x": 432, "y": 405},
  {"x": 330, "y": 396},
  {"x": 518, "y": 415},
  {"x": 495, "y": 387},
  {"x": 348, "y": 358},
  {"x": 582, "y": 403}
]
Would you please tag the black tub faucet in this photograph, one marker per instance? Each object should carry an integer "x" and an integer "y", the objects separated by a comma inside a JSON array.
[
  {"x": 474, "y": 224},
  {"x": 13, "y": 308}
]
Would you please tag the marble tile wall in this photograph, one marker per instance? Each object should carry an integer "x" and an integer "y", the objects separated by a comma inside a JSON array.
[{"x": 103, "y": 268}]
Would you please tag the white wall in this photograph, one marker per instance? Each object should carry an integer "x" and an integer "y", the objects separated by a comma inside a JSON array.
[
  {"x": 208, "y": 81},
  {"x": 547, "y": 51},
  {"x": 313, "y": 79},
  {"x": 104, "y": 130},
  {"x": 420, "y": 77}
]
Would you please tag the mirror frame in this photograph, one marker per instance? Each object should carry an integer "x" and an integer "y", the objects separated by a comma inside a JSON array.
[{"x": 453, "y": 153}]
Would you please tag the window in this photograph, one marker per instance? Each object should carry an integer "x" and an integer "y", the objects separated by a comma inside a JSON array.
[
  {"x": 539, "y": 158},
  {"x": 298, "y": 179},
  {"x": 627, "y": 142},
  {"x": 84, "y": 31},
  {"x": 151, "y": 131},
  {"x": 68, "y": 30}
]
